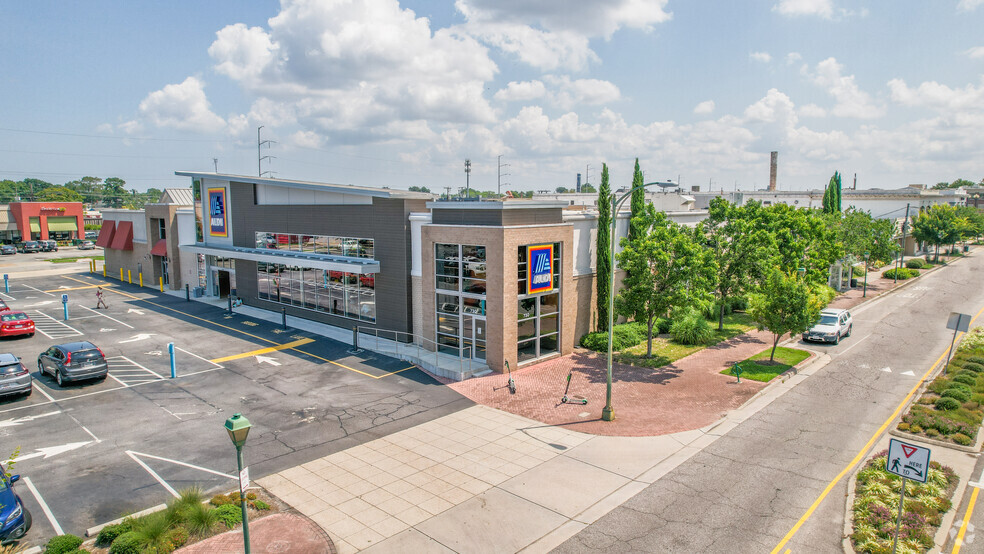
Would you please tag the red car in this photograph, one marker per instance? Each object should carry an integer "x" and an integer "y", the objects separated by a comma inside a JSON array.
[
  {"x": 4, "y": 307},
  {"x": 15, "y": 323}
]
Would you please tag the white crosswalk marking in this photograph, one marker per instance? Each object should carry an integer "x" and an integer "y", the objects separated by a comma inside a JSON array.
[
  {"x": 128, "y": 373},
  {"x": 51, "y": 327}
]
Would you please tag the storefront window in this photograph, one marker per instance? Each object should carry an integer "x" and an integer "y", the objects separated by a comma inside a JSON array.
[
  {"x": 538, "y": 317},
  {"x": 348, "y": 295},
  {"x": 460, "y": 277},
  {"x": 317, "y": 244}
]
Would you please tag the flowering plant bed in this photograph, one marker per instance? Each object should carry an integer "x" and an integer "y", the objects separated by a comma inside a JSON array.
[
  {"x": 876, "y": 505},
  {"x": 952, "y": 408}
]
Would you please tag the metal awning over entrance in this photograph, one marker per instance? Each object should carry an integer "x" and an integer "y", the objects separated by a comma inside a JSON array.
[
  {"x": 35, "y": 223},
  {"x": 7, "y": 222},
  {"x": 361, "y": 266},
  {"x": 160, "y": 248},
  {"x": 62, "y": 223}
]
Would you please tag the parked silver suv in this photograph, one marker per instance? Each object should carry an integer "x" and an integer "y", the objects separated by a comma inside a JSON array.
[
  {"x": 833, "y": 325},
  {"x": 73, "y": 361},
  {"x": 14, "y": 377}
]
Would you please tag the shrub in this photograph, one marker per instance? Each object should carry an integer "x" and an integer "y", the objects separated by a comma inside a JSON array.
[
  {"x": 973, "y": 366},
  {"x": 915, "y": 429},
  {"x": 959, "y": 395},
  {"x": 900, "y": 273},
  {"x": 976, "y": 360},
  {"x": 260, "y": 505},
  {"x": 229, "y": 515},
  {"x": 152, "y": 529},
  {"x": 962, "y": 439},
  {"x": 903, "y": 426},
  {"x": 624, "y": 336},
  {"x": 176, "y": 538},
  {"x": 127, "y": 543},
  {"x": 222, "y": 499},
  {"x": 962, "y": 386},
  {"x": 691, "y": 329},
  {"x": 932, "y": 432},
  {"x": 109, "y": 533},
  {"x": 200, "y": 519},
  {"x": 915, "y": 263},
  {"x": 965, "y": 379},
  {"x": 62, "y": 543},
  {"x": 947, "y": 404},
  {"x": 663, "y": 324}
]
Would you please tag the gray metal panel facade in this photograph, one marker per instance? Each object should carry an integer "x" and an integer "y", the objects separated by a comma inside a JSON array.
[
  {"x": 497, "y": 217},
  {"x": 386, "y": 221}
]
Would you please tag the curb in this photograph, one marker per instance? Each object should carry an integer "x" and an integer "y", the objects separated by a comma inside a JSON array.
[
  {"x": 975, "y": 449},
  {"x": 93, "y": 531}
]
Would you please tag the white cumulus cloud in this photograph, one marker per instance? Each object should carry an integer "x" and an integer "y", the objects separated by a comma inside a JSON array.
[
  {"x": 705, "y": 107},
  {"x": 851, "y": 101},
  {"x": 938, "y": 97},
  {"x": 975, "y": 53},
  {"x": 969, "y": 5},
  {"x": 521, "y": 91},
  {"x": 763, "y": 57},
  {"x": 180, "y": 106},
  {"x": 822, "y": 8}
]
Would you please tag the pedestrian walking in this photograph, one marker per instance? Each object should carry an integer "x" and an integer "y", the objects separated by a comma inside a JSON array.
[{"x": 100, "y": 300}]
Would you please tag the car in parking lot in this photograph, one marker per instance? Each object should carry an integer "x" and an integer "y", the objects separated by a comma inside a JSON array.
[
  {"x": 16, "y": 323},
  {"x": 30, "y": 246},
  {"x": 73, "y": 361},
  {"x": 48, "y": 245},
  {"x": 834, "y": 325},
  {"x": 15, "y": 520},
  {"x": 91, "y": 234},
  {"x": 14, "y": 378},
  {"x": 4, "y": 307},
  {"x": 7, "y": 249},
  {"x": 87, "y": 245}
]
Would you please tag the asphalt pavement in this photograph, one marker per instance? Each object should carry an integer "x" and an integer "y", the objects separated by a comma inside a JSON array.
[
  {"x": 750, "y": 490},
  {"x": 94, "y": 451}
]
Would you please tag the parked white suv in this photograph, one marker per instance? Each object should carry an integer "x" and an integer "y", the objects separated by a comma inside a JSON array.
[{"x": 833, "y": 325}]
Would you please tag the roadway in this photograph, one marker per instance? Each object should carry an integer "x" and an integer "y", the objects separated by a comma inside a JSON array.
[
  {"x": 93, "y": 451},
  {"x": 778, "y": 481}
]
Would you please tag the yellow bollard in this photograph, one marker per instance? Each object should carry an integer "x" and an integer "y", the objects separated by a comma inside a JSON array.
[
  {"x": 141, "y": 278},
  {"x": 129, "y": 276},
  {"x": 121, "y": 274},
  {"x": 104, "y": 269},
  {"x": 162, "y": 283}
]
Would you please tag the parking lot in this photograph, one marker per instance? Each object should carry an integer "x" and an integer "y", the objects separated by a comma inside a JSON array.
[{"x": 93, "y": 451}]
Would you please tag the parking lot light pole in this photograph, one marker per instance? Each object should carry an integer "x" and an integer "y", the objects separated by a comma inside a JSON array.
[
  {"x": 608, "y": 413},
  {"x": 238, "y": 428},
  {"x": 866, "y": 255}
]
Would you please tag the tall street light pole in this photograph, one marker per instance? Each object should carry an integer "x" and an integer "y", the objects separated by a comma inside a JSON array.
[
  {"x": 866, "y": 255},
  {"x": 608, "y": 413},
  {"x": 238, "y": 428}
]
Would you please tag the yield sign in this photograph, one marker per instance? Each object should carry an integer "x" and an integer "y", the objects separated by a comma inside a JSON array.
[
  {"x": 907, "y": 460},
  {"x": 908, "y": 450}
]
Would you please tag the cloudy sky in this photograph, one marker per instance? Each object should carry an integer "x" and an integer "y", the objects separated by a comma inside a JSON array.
[{"x": 387, "y": 93}]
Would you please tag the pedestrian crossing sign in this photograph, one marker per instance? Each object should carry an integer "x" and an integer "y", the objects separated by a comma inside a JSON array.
[{"x": 907, "y": 460}]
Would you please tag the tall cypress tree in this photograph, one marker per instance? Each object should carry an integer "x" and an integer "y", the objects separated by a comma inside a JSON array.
[
  {"x": 637, "y": 204},
  {"x": 837, "y": 178},
  {"x": 603, "y": 262}
]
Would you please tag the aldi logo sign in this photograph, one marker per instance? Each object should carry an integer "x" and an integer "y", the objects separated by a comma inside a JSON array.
[
  {"x": 217, "y": 213},
  {"x": 539, "y": 272}
]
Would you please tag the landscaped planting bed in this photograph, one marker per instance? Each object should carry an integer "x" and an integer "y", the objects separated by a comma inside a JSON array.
[
  {"x": 952, "y": 408},
  {"x": 759, "y": 368},
  {"x": 876, "y": 505},
  {"x": 186, "y": 519}
]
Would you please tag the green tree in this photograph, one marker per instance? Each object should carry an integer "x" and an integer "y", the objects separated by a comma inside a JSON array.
[
  {"x": 803, "y": 239},
  {"x": 839, "y": 191},
  {"x": 415, "y": 188},
  {"x": 588, "y": 188},
  {"x": 561, "y": 190},
  {"x": 832, "y": 195},
  {"x": 666, "y": 266},
  {"x": 858, "y": 233},
  {"x": 742, "y": 248},
  {"x": 603, "y": 262},
  {"x": 937, "y": 225},
  {"x": 637, "y": 204},
  {"x": 783, "y": 305},
  {"x": 114, "y": 192},
  {"x": 59, "y": 194}
]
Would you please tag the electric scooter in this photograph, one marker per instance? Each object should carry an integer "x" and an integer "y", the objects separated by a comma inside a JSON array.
[
  {"x": 568, "y": 400},
  {"x": 511, "y": 384}
]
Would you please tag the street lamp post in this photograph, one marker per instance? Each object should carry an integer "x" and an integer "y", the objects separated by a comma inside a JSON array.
[
  {"x": 866, "y": 255},
  {"x": 608, "y": 413},
  {"x": 238, "y": 428}
]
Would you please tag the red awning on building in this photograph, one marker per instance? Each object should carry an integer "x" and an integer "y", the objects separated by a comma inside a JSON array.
[
  {"x": 159, "y": 249},
  {"x": 106, "y": 234},
  {"x": 123, "y": 238}
]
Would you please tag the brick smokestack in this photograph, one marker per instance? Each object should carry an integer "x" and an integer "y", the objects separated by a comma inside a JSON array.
[{"x": 772, "y": 171}]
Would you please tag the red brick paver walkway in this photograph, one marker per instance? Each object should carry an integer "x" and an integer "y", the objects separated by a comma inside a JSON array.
[
  {"x": 285, "y": 533},
  {"x": 688, "y": 394}
]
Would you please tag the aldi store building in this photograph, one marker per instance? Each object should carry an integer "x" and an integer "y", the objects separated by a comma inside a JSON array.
[{"x": 490, "y": 282}]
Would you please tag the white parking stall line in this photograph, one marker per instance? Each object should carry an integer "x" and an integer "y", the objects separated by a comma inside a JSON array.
[
  {"x": 7, "y": 296},
  {"x": 106, "y": 316},
  {"x": 51, "y": 327},
  {"x": 40, "y": 389},
  {"x": 38, "y": 290},
  {"x": 44, "y": 506},
  {"x": 128, "y": 372}
]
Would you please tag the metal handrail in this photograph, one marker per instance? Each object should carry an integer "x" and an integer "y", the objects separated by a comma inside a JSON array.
[{"x": 413, "y": 349}]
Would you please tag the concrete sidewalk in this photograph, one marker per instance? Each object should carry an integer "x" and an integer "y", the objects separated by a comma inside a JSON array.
[{"x": 483, "y": 479}]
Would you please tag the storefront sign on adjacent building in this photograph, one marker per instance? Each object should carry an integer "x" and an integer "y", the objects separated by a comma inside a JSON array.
[
  {"x": 217, "y": 213},
  {"x": 539, "y": 268}
]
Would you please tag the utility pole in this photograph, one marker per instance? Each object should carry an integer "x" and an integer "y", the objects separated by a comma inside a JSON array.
[
  {"x": 855, "y": 181},
  {"x": 468, "y": 178},
  {"x": 905, "y": 227},
  {"x": 216, "y": 162},
  {"x": 499, "y": 175},
  {"x": 259, "y": 158}
]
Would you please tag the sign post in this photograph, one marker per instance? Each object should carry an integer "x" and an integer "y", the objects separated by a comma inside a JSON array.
[
  {"x": 908, "y": 461},
  {"x": 65, "y": 305},
  {"x": 959, "y": 323},
  {"x": 6, "y": 283}
]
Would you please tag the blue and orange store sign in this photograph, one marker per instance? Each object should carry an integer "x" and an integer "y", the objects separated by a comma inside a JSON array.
[{"x": 539, "y": 268}]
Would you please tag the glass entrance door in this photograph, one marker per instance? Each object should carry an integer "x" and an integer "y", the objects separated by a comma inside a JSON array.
[
  {"x": 164, "y": 274},
  {"x": 473, "y": 335}
]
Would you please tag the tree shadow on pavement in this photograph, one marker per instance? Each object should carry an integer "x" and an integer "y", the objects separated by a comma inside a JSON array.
[{"x": 593, "y": 367}]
